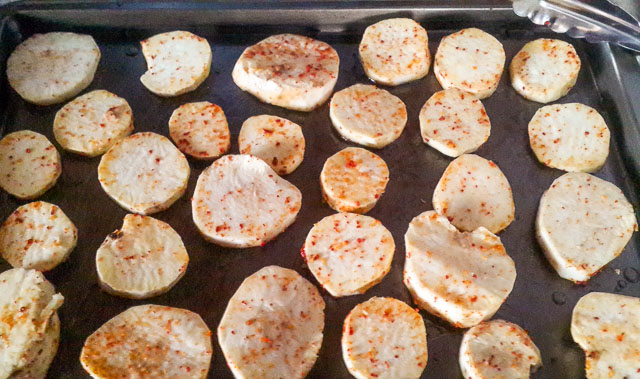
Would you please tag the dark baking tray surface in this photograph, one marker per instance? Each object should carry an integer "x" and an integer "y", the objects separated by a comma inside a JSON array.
[{"x": 541, "y": 301}]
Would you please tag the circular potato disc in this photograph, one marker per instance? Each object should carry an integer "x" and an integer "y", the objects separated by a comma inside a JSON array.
[
  {"x": 53, "y": 67},
  {"x": 37, "y": 235},
  {"x": 143, "y": 259},
  {"x": 544, "y": 70},
  {"x": 348, "y": 253},
  {"x": 353, "y": 180},
  {"x": 178, "y": 62},
  {"x": 384, "y": 338},
  {"x": 200, "y": 130},
  {"x": 395, "y": 51},
  {"x": 149, "y": 341},
  {"x": 368, "y": 115},
  {"x": 454, "y": 122},
  {"x": 29, "y": 164},
  {"x": 90, "y": 124},
  {"x": 570, "y": 137},
  {"x": 288, "y": 70},
  {"x": 239, "y": 201},
  {"x": 144, "y": 173},
  {"x": 29, "y": 325},
  {"x": 471, "y": 60},
  {"x": 275, "y": 140},
  {"x": 272, "y": 327}
]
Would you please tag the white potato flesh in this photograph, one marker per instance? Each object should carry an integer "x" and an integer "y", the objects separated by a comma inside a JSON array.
[
  {"x": 288, "y": 70},
  {"x": 272, "y": 326},
  {"x": 144, "y": 173},
  {"x": 571, "y": 137},
  {"x": 239, "y": 201},
  {"x": 454, "y": 122},
  {"x": 583, "y": 223},
  {"x": 607, "y": 328},
  {"x": 276, "y": 140},
  {"x": 473, "y": 192},
  {"x": 461, "y": 277},
  {"x": 177, "y": 62},
  {"x": 200, "y": 130},
  {"x": 90, "y": 124},
  {"x": 143, "y": 259},
  {"x": 353, "y": 179},
  {"x": 384, "y": 338},
  {"x": 348, "y": 253},
  {"x": 471, "y": 60},
  {"x": 29, "y": 326},
  {"x": 498, "y": 349},
  {"x": 395, "y": 51},
  {"x": 544, "y": 70},
  {"x": 368, "y": 115},
  {"x": 149, "y": 341},
  {"x": 29, "y": 164},
  {"x": 37, "y": 235},
  {"x": 53, "y": 67}
]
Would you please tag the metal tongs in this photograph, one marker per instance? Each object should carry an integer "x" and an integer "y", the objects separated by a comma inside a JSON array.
[{"x": 615, "y": 21}]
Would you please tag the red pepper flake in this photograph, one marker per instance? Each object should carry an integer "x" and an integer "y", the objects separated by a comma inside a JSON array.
[
  {"x": 303, "y": 254},
  {"x": 473, "y": 299},
  {"x": 351, "y": 164},
  {"x": 28, "y": 150},
  {"x": 350, "y": 331},
  {"x": 441, "y": 118}
]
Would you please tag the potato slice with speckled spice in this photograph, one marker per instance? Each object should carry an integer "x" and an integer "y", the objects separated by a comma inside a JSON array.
[
  {"x": 353, "y": 179},
  {"x": 272, "y": 327},
  {"x": 37, "y": 235},
  {"x": 471, "y": 60},
  {"x": 149, "y": 341},
  {"x": 395, "y": 51},
  {"x": 348, "y": 253},
  {"x": 544, "y": 70},
  {"x": 461, "y": 277},
  {"x": 200, "y": 130},
  {"x": 29, "y": 164},
  {"x": 498, "y": 349},
  {"x": 275, "y": 140},
  {"x": 289, "y": 71},
  {"x": 368, "y": 115},
  {"x": 607, "y": 328}
]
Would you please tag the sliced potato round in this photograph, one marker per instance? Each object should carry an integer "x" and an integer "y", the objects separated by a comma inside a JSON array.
[
  {"x": 200, "y": 130},
  {"x": 607, "y": 328},
  {"x": 473, "y": 192},
  {"x": 570, "y": 137},
  {"x": 454, "y": 122},
  {"x": 177, "y": 62},
  {"x": 239, "y": 201},
  {"x": 471, "y": 60},
  {"x": 395, "y": 51},
  {"x": 90, "y": 124},
  {"x": 29, "y": 326},
  {"x": 289, "y": 71},
  {"x": 144, "y": 173},
  {"x": 368, "y": 115},
  {"x": 272, "y": 327},
  {"x": 275, "y": 140},
  {"x": 149, "y": 341},
  {"x": 53, "y": 67},
  {"x": 583, "y": 223},
  {"x": 348, "y": 253},
  {"x": 498, "y": 349},
  {"x": 29, "y": 164},
  {"x": 544, "y": 70},
  {"x": 353, "y": 180},
  {"x": 462, "y": 277},
  {"x": 384, "y": 338},
  {"x": 143, "y": 259},
  {"x": 37, "y": 235}
]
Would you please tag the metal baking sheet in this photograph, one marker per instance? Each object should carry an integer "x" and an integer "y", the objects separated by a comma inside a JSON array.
[{"x": 541, "y": 301}]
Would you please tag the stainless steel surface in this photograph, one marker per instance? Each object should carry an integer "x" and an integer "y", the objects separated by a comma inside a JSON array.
[
  {"x": 541, "y": 302},
  {"x": 596, "y": 20}
]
